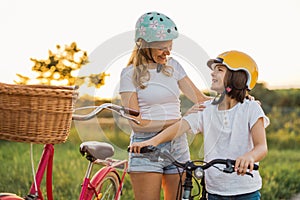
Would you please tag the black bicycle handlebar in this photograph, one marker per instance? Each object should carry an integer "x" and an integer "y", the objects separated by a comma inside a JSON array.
[
  {"x": 113, "y": 107},
  {"x": 192, "y": 169},
  {"x": 165, "y": 154}
]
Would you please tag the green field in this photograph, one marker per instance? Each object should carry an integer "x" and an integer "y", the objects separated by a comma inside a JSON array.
[{"x": 280, "y": 169}]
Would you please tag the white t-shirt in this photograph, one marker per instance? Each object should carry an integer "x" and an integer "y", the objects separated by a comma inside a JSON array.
[
  {"x": 227, "y": 136},
  {"x": 160, "y": 99}
]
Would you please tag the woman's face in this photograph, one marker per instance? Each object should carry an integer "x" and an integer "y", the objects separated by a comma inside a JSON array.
[
  {"x": 160, "y": 51},
  {"x": 218, "y": 74}
]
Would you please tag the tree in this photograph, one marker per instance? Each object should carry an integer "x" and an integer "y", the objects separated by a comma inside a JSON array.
[{"x": 61, "y": 68}]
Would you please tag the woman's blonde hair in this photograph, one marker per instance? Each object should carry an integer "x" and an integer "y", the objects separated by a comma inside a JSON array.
[{"x": 140, "y": 58}]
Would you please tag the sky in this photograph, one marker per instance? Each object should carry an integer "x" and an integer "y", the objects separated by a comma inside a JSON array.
[{"x": 267, "y": 30}]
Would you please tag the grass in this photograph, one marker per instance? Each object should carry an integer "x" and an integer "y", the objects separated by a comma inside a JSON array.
[{"x": 280, "y": 169}]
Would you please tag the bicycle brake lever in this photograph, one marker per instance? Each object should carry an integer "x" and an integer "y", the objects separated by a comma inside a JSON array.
[
  {"x": 250, "y": 174},
  {"x": 229, "y": 168}
]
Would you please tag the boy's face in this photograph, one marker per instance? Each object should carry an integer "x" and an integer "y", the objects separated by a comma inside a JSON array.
[{"x": 218, "y": 74}]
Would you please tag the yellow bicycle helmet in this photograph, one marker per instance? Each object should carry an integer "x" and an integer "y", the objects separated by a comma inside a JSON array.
[{"x": 236, "y": 60}]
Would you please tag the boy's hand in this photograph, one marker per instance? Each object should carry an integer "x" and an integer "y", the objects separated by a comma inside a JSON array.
[
  {"x": 243, "y": 163},
  {"x": 252, "y": 98}
]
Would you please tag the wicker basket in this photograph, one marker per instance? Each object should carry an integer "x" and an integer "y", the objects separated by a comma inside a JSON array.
[{"x": 36, "y": 113}]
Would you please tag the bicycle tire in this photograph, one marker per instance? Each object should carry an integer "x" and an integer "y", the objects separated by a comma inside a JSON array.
[
  {"x": 108, "y": 187},
  {"x": 10, "y": 196}
]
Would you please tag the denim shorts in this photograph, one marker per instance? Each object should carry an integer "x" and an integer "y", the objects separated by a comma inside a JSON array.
[
  {"x": 249, "y": 196},
  {"x": 178, "y": 148}
]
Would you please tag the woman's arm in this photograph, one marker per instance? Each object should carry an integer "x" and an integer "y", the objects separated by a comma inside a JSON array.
[
  {"x": 166, "y": 135},
  {"x": 259, "y": 151},
  {"x": 189, "y": 89},
  {"x": 129, "y": 99}
]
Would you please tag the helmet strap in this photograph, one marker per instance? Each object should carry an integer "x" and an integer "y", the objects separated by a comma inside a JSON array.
[
  {"x": 159, "y": 67},
  {"x": 140, "y": 50},
  {"x": 219, "y": 98}
]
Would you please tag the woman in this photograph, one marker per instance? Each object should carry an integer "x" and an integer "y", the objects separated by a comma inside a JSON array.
[
  {"x": 151, "y": 83},
  {"x": 233, "y": 127}
]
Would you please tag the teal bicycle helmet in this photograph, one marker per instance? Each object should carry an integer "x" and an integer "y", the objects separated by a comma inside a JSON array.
[{"x": 154, "y": 27}]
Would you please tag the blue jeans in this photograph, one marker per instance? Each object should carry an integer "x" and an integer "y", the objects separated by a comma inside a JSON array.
[{"x": 248, "y": 196}]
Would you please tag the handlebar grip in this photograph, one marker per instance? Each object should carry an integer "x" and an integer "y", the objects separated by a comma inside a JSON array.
[
  {"x": 148, "y": 149},
  {"x": 255, "y": 167},
  {"x": 131, "y": 111},
  {"x": 145, "y": 149}
]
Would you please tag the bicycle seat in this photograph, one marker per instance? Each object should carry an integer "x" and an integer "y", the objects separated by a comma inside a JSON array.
[{"x": 97, "y": 150}]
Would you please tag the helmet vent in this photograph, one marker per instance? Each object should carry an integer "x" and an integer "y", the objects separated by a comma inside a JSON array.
[
  {"x": 169, "y": 31},
  {"x": 151, "y": 18},
  {"x": 161, "y": 19}
]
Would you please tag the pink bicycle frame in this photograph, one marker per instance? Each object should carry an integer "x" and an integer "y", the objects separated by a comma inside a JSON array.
[
  {"x": 45, "y": 161},
  {"x": 88, "y": 187}
]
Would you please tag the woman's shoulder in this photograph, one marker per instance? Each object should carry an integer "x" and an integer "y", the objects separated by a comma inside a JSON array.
[
  {"x": 128, "y": 69},
  {"x": 173, "y": 62},
  {"x": 177, "y": 67}
]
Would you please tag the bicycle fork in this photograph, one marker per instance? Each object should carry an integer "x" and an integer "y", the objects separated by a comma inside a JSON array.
[{"x": 188, "y": 186}]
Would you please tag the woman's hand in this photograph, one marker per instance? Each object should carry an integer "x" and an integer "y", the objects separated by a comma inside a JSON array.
[
  {"x": 195, "y": 108},
  {"x": 136, "y": 146},
  {"x": 252, "y": 98}
]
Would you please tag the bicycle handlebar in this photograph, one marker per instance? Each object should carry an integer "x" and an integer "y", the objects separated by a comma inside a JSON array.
[
  {"x": 166, "y": 155},
  {"x": 122, "y": 111},
  {"x": 192, "y": 169}
]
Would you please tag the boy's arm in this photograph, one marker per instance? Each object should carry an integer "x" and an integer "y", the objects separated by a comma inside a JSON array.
[
  {"x": 130, "y": 100},
  {"x": 259, "y": 151},
  {"x": 166, "y": 135}
]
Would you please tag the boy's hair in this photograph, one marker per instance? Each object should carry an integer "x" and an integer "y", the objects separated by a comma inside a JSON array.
[{"x": 235, "y": 83}]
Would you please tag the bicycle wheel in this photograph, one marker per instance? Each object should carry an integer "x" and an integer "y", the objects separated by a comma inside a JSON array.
[
  {"x": 10, "y": 196},
  {"x": 108, "y": 187}
]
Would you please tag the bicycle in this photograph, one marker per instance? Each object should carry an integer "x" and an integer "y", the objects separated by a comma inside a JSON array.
[
  {"x": 106, "y": 183},
  {"x": 194, "y": 170}
]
